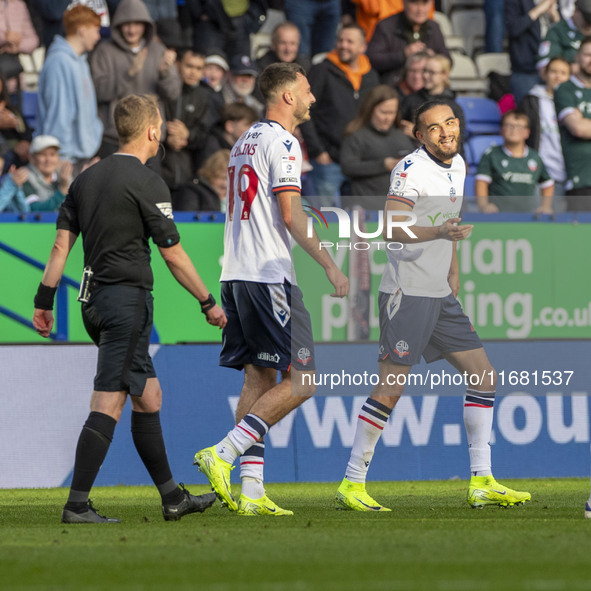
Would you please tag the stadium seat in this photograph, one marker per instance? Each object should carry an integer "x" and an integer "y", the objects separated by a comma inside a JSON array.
[
  {"x": 464, "y": 77},
  {"x": 469, "y": 185},
  {"x": 29, "y": 107},
  {"x": 482, "y": 115},
  {"x": 493, "y": 62},
  {"x": 477, "y": 145},
  {"x": 470, "y": 25},
  {"x": 32, "y": 64},
  {"x": 260, "y": 43},
  {"x": 452, "y": 42},
  {"x": 449, "y": 6}
]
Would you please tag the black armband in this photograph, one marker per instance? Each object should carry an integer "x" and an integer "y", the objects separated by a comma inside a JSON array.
[
  {"x": 44, "y": 297},
  {"x": 208, "y": 304}
]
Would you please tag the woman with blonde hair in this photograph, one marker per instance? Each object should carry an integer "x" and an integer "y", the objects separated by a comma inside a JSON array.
[
  {"x": 436, "y": 85},
  {"x": 206, "y": 192},
  {"x": 373, "y": 145}
]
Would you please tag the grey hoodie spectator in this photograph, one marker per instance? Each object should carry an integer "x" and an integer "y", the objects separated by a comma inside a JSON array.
[{"x": 133, "y": 61}]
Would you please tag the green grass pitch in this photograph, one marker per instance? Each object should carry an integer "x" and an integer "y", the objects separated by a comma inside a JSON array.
[{"x": 431, "y": 541}]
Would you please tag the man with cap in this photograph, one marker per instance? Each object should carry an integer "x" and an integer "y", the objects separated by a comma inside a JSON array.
[
  {"x": 240, "y": 85},
  {"x": 564, "y": 38},
  {"x": 42, "y": 184},
  {"x": 214, "y": 75}
]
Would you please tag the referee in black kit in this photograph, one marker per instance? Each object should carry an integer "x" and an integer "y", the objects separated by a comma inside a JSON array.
[{"x": 117, "y": 205}]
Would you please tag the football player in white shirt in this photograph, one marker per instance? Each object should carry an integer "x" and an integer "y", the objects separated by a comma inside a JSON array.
[
  {"x": 268, "y": 328},
  {"x": 419, "y": 312}
]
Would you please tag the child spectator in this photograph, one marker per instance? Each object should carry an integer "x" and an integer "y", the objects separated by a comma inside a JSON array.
[{"x": 507, "y": 175}]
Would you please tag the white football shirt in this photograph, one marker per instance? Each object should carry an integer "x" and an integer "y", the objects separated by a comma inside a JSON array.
[
  {"x": 435, "y": 191},
  {"x": 266, "y": 160}
]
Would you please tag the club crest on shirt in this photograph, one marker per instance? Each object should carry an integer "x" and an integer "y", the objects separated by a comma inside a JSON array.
[
  {"x": 165, "y": 209},
  {"x": 402, "y": 349},
  {"x": 452, "y": 195},
  {"x": 304, "y": 355},
  {"x": 532, "y": 165},
  {"x": 544, "y": 49}
]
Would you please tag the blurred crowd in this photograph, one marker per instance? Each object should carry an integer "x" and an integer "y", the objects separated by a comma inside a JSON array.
[{"x": 370, "y": 63}]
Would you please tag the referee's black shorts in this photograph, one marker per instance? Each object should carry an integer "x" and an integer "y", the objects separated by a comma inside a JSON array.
[{"x": 118, "y": 318}]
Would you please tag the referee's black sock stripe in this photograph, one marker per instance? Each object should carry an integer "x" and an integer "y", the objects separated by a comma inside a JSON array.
[{"x": 135, "y": 335}]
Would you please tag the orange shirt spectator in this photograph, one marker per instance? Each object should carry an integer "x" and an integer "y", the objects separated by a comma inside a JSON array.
[{"x": 369, "y": 12}]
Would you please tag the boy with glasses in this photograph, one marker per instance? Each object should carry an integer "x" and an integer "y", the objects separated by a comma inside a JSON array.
[{"x": 507, "y": 175}]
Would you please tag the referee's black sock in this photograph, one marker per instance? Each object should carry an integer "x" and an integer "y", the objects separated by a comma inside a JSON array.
[
  {"x": 93, "y": 444},
  {"x": 148, "y": 440}
]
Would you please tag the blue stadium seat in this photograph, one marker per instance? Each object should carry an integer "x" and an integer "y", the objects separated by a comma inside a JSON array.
[
  {"x": 477, "y": 146},
  {"x": 29, "y": 107},
  {"x": 482, "y": 115}
]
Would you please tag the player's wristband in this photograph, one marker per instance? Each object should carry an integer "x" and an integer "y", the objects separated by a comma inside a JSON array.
[
  {"x": 208, "y": 304},
  {"x": 44, "y": 297}
]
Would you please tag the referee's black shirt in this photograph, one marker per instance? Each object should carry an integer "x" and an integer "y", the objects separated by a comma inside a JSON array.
[{"x": 117, "y": 205}]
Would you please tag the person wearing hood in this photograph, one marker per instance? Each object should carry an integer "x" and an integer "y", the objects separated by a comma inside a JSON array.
[
  {"x": 132, "y": 61},
  {"x": 67, "y": 107},
  {"x": 339, "y": 84}
]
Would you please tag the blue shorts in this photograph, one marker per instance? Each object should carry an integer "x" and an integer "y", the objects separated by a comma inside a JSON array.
[
  {"x": 413, "y": 326},
  {"x": 268, "y": 326}
]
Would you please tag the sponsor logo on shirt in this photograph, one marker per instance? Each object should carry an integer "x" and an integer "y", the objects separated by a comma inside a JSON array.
[
  {"x": 289, "y": 179},
  {"x": 518, "y": 177},
  {"x": 288, "y": 144},
  {"x": 273, "y": 358},
  {"x": 165, "y": 209}
]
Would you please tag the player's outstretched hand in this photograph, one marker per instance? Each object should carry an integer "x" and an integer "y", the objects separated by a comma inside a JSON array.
[
  {"x": 43, "y": 321},
  {"x": 216, "y": 317},
  {"x": 339, "y": 281},
  {"x": 451, "y": 230}
]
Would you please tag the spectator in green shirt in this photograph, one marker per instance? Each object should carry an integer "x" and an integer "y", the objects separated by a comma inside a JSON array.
[
  {"x": 507, "y": 175},
  {"x": 572, "y": 100}
]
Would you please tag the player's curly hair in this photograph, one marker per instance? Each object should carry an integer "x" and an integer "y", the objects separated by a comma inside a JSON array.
[{"x": 277, "y": 76}]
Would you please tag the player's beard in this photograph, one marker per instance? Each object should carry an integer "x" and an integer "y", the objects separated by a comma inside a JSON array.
[
  {"x": 301, "y": 112},
  {"x": 445, "y": 154}
]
